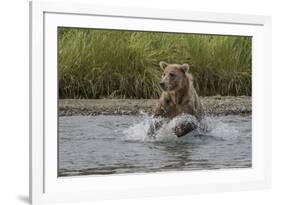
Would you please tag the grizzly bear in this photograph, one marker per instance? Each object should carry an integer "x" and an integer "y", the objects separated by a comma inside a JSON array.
[{"x": 178, "y": 96}]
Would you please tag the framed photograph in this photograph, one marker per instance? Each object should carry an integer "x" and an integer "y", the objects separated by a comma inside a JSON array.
[{"x": 129, "y": 102}]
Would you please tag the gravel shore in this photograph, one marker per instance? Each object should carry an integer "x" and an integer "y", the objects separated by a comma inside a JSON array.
[{"x": 215, "y": 105}]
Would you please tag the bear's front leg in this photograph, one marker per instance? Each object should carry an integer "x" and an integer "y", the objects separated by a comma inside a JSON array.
[
  {"x": 184, "y": 128},
  {"x": 154, "y": 127}
]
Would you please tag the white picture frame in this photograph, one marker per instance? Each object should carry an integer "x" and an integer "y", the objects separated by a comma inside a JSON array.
[{"x": 46, "y": 187}]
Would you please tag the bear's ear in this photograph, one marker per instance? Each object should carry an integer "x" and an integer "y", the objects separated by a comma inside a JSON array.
[
  {"x": 163, "y": 65},
  {"x": 185, "y": 67}
]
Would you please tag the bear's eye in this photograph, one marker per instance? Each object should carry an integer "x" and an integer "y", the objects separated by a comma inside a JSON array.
[{"x": 172, "y": 75}]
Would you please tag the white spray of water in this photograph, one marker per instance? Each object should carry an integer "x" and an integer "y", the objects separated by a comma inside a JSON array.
[
  {"x": 139, "y": 131},
  {"x": 221, "y": 129},
  {"x": 215, "y": 127}
]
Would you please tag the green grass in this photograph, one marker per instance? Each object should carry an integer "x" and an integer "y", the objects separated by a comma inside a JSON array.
[{"x": 124, "y": 64}]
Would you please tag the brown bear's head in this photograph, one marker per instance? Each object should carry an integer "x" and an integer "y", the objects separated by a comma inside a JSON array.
[{"x": 174, "y": 76}]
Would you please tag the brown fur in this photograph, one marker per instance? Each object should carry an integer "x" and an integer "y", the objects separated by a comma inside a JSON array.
[{"x": 179, "y": 95}]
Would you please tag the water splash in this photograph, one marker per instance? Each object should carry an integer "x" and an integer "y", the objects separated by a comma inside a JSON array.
[
  {"x": 225, "y": 129},
  {"x": 139, "y": 131},
  {"x": 211, "y": 127}
]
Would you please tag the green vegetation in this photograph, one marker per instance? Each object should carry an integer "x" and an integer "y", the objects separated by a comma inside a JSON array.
[{"x": 123, "y": 64}]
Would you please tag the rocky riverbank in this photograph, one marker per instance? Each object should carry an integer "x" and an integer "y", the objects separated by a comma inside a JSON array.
[{"x": 214, "y": 105}]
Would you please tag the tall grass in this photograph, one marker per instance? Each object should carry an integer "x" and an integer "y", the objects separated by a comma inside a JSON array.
[{"x": 124, "y": 64}]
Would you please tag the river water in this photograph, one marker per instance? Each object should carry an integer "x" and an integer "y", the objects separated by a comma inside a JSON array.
[{"x": 110, "y": 144}]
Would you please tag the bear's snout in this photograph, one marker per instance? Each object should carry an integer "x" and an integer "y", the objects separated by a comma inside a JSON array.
[{"x": 162, "y": 85}]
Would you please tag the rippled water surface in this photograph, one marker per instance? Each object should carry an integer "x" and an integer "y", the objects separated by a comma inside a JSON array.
[{"x": 107, "y": 144}]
